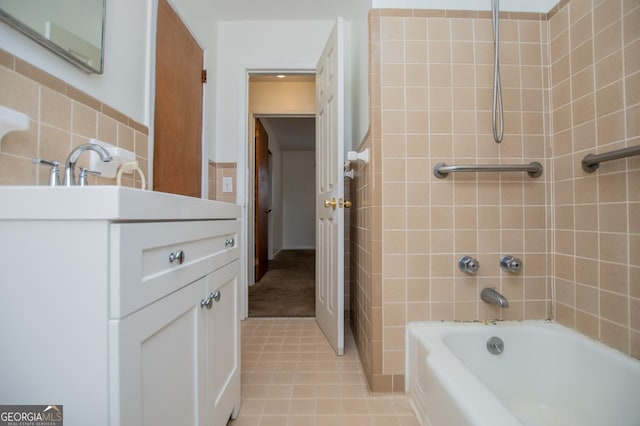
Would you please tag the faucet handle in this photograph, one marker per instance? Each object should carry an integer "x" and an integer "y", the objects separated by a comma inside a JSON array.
[
  {"x": 468, "y": 264},
  {"x": 510, "y": 264},
  {"x": 83, "y": 175},
  {"x": 54, "y": 176}
]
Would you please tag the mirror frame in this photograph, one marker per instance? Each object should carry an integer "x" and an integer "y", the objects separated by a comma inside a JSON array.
[{"x": 55, "y": 48}]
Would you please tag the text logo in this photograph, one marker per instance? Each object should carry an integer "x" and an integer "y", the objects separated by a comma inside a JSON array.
[{"x": 31, "y": 415}]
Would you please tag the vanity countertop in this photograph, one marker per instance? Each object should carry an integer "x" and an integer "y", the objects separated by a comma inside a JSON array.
[{"x": 101, "y": 202}]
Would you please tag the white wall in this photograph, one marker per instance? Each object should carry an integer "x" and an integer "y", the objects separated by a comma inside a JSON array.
[
  {"x": 250, "y": 46},
  {"x": 298, "y": 193},
  {"x": 359, "y": 71},
  {"x": 124, "y": 85}
]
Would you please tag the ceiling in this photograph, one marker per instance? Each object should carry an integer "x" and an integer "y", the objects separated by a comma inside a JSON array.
[
  {"x": 283, "y": 10},
  {"x": 293, "y": 133}
]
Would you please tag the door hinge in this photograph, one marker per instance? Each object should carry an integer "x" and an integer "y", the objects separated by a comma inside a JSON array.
[
  {"x": 256, "y": 261},
  {"x": 204, "y": 76}
]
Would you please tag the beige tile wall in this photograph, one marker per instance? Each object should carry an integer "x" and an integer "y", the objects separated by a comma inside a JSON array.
[
  {"x": 61, "y": 117},
  {"x": 431, "y": 79},
  {"x": 571, "y": 86},
  {"x": 361, "y": 268},
  {"x": 595, "y": 78},
  {"x": 216, "y": 172}
]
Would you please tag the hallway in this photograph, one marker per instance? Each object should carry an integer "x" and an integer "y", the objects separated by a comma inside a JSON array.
[
  {"x": 288, "y": 289},
  {"x": 291, "y": 376}
]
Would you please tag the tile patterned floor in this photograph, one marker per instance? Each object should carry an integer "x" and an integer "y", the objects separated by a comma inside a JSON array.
[{"x": 291, "y": 376}]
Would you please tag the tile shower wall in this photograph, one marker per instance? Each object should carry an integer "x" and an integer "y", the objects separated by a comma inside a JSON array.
[
  {"x": 431, "y": 79},
  {"x": 595, "y": 80},
  {"x": 571, "y": 86},
  {"x": 61, "y": 117}
]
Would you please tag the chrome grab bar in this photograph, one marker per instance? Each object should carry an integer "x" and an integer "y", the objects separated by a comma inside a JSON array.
[
  {"x": 591, "y": 162},
  {"x": 533, "y": 169}
]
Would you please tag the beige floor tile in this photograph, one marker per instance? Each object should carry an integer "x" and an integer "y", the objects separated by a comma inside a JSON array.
[{"x": 292, "y": 377}]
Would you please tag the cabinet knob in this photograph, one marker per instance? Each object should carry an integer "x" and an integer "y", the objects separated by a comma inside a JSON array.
[
  {"x": 177, "y": 257},
  {"x": 206, "y": 303},
  {"x": 229, "y": 242}
]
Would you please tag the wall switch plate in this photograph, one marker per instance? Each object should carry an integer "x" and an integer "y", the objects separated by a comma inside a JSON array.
[{"x": 227, "y": 184}]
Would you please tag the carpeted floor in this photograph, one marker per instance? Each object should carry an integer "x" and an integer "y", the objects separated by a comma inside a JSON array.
[{"x": 288, "y": 289}]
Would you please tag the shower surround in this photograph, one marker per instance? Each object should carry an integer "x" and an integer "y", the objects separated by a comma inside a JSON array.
[{"x": 570, "y": 87}]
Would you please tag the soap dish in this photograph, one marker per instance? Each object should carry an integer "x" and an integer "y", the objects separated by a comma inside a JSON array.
[{"x": 12, "y": 120}]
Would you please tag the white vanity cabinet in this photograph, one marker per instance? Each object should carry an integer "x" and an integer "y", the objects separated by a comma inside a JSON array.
[
  {"x": 128, "y": 317},
  {"x": 178, "y": 358}
]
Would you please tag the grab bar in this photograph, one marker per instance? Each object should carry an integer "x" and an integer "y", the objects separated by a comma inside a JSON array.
[
  {"x": 591, "y": 162},
  {"x": 533, "y": 169}
]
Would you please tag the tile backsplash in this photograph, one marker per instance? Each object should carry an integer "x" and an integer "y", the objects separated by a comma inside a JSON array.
[{"x": 60, "y": 118}]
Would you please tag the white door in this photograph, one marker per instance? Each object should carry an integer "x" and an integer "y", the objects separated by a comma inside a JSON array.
[
  {"x": 330, "y": 189},
  {"x": 223, "y": 344}
]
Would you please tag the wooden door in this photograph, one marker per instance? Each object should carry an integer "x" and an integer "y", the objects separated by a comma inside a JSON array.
[
  {"x": 177, "y": 153},
  {"x": 330, "y": 189},
  {"x": 262, "y": 202}
]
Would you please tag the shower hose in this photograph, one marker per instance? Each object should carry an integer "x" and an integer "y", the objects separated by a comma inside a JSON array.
[{"x": 496, "y": 123}]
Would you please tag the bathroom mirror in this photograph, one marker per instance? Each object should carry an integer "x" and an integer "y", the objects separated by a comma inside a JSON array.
[{"x": 72, "y": 29}]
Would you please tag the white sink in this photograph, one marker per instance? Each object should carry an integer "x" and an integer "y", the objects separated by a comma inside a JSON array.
[{"x": 101, "y": 202}]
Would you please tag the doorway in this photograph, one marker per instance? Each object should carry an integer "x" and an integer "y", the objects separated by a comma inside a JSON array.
[
  {"x": 284, "y": 109},
  {"x": 284, "y": 218}
]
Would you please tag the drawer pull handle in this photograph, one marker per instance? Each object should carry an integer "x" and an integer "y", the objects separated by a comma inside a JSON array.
[
  {"x": 215, "y": 296},
  {"x": 177, "y": 257},
  {"x": 229, "y": 242}
]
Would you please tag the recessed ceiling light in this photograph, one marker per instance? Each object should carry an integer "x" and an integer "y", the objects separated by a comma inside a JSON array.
[{"x": 281, "y": 76}]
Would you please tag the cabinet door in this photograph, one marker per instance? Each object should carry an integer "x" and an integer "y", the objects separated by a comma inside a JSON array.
[
  {"x": 157, "y": 357},
  {"x": 223, "y": 343}
]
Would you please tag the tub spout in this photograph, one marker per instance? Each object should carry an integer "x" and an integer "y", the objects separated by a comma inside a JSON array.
[{"x": 490, "y": 295}]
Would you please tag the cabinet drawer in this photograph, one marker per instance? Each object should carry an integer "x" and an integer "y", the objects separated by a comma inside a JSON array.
[{"x": 151, "y": 260}]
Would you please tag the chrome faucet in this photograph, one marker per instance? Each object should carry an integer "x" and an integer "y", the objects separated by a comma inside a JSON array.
[
  {"x": 70, "y": 165},
  {"x": 491, "y": 295},
  {"x": 510, "y": 264}
]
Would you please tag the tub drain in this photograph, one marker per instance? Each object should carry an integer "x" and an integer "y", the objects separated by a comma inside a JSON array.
[{"x": 495, "y": 345}]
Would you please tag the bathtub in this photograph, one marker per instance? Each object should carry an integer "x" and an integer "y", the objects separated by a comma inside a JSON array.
[{"x": 546, "y": 374}]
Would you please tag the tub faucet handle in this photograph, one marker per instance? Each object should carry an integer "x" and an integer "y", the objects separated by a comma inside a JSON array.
[
  {"x": 468, "y": 264},
  {"x": 510, "y": 264}
]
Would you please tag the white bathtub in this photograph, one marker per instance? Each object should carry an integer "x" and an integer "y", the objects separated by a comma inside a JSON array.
[{"x": 546, "y": 375}]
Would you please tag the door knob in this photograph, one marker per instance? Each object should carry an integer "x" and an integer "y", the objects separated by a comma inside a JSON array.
[
  {"x": 331, "y": 203},
  {"x": 347, "y": 204}
]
